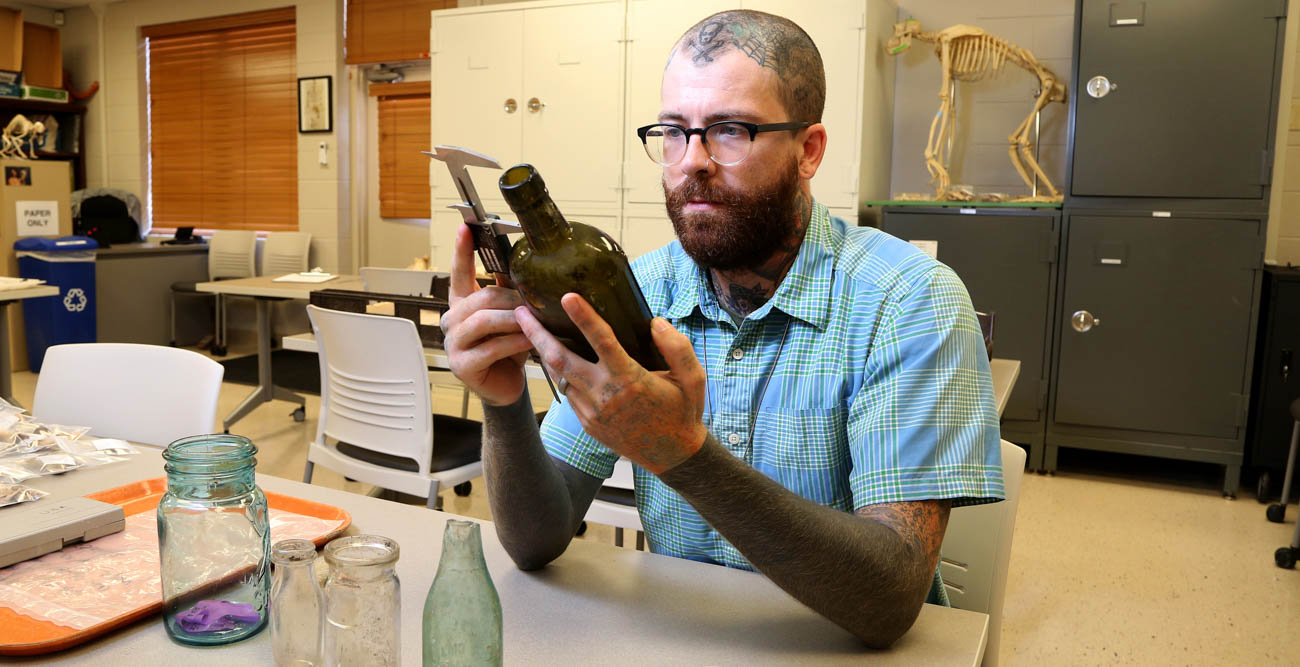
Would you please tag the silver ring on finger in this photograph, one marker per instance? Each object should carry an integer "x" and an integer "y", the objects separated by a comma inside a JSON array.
[{"x": 562, "y": 386}]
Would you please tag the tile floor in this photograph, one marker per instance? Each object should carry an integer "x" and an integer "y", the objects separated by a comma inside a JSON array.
[{"x": 1148, "y": 566}]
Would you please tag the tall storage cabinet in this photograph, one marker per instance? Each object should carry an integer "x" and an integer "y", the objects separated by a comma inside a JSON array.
[
  {"x": 597, "y": 66},
  {"x": 530, "y": 82},
  {"x": 1170, "y": 153}
]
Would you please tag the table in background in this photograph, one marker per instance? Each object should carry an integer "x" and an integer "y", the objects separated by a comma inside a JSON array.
[
  {"x": 6, "y": 364},
  {"x": 1005, "y": 373},
  {"x": 595, "y": 604},
  {"x": 265, "y": 290},
  {"x": 133, "y": 293}
]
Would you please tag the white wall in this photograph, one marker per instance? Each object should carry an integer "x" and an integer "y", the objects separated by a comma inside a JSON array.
[
  {"x": 987, "y": 111},
  {"x": 1284, "y": 206},
  {"x": 115, "y": 125},
  {"x": 390, "y": 242}
]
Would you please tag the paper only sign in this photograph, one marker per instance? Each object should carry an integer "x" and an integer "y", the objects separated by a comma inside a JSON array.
[{"x": 38, "y": 218}]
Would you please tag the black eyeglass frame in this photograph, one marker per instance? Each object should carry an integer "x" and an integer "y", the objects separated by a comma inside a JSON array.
[{"x": 753, "y": 129}]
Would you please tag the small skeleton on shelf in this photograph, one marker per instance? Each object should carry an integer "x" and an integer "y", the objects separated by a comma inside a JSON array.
[
  {"x": 18, "y": 133},
  {"x": 967, "y": 53}
]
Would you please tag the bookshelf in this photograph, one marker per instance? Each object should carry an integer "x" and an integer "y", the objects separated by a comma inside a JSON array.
[{"x": 71, "y": 140}]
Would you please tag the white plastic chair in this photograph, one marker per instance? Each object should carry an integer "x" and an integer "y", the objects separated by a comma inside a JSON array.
[
  {"x": 977, "y": 551},
  {"x": 376, "y": 422},
  {"x": 285, "y": 252},
  {"x": 615, "y": 505},
  {"x": 231, "y": 254},
  {"x": 409, "y": 282},
  {"x": 149, "y": 394}
]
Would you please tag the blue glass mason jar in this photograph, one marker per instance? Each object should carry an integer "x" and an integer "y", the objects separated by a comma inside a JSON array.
[{"x": 214, "y": 541}]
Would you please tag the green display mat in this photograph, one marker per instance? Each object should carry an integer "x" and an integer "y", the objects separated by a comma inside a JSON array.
[{"x": 969, "y": 204}]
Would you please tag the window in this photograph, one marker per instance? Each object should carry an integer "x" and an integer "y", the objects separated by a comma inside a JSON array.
[
  {"x": 403, "y": 133},
  {"x": 223, "y": 122},
  {"x": 381, "y": 31}
]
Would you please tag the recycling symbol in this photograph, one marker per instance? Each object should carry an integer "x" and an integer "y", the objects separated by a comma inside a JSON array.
[{"x": 75, "y": 300}]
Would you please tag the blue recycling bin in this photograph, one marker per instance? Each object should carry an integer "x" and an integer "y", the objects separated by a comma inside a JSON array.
[{"x": 69, "y": 264}]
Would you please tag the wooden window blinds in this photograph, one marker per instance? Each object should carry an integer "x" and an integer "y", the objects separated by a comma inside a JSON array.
[
  {"x": 403, "y": 133},
  {"x": 223, "y": 122},
  {"x": 382, "y": 31}
]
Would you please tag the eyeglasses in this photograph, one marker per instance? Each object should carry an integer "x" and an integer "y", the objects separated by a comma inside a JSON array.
[{"x": 728, "y": 142}]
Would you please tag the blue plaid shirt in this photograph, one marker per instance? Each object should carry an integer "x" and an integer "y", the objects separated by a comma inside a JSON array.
[{"x": 864, "y": 378}]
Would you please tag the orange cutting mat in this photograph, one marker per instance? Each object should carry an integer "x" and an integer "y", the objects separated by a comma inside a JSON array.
[{"x": 23, "y": 635}]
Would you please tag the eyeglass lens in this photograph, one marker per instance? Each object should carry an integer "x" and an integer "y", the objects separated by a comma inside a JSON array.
[{"x": 727, "y": 143}]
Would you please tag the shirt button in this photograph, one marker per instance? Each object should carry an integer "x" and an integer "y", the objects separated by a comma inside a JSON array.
[
  {"x": 737, "y": 354},
  {"x": 734, "y": 438}
]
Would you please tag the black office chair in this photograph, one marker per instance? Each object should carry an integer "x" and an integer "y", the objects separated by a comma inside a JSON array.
[{"x": 1286, "y": 557}]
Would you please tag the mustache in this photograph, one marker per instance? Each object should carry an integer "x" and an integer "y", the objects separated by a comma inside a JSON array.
[{"x": 698, "y": 188}]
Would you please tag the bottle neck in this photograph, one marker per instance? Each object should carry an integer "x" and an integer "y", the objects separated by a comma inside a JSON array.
[
  {"x": 544, "y": 225},
  {"x": 462, "y": 547}
]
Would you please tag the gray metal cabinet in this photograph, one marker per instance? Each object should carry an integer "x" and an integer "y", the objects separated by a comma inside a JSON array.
[
  {"x": 1155, "y": 335},
  {"x": 1007, "y": 258},
  {"x": 1175, "y": 98}
]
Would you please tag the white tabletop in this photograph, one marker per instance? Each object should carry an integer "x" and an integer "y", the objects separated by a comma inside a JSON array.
[
  {"x": 266, "y": 287},
  {"x": 29, "y": 292},
  {"x": 1005, "y": 373},
  {"x": 595, "y": 604}
]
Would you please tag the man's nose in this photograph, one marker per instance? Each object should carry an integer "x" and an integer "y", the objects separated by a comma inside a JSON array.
[{"x": 696, "y": 160}]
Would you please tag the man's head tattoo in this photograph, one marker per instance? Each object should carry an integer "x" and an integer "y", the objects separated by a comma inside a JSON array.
[{"x": 772, "y": 42}]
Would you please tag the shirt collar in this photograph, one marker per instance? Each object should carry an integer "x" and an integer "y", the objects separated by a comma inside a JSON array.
[{"x": 804, "y": 293}]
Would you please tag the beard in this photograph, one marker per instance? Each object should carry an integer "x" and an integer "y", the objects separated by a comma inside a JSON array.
[{"x": 745, "y": 228}]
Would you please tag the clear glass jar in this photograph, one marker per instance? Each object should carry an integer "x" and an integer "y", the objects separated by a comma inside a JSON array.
[
  {"x": 297, "y": 605},
  {"x": 213, "y": 541},
  {"x": 462, "y": 613},
  {"x": 363, "y": 603}
]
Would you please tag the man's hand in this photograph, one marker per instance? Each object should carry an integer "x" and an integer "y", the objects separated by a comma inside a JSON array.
[
  {"x": 485, "y": 347},
  {"x": 653, "y": 418}
]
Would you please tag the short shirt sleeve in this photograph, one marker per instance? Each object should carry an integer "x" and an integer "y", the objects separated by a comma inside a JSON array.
[{"x": 923, "y": 425}]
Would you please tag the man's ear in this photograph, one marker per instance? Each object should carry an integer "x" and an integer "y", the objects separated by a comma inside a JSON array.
[{"x": 811, "y": 150}]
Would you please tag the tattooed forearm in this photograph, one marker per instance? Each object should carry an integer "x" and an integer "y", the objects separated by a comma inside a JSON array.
[
  {"x": 536, "y": 501},
  {"x": 869, "y": 573}
]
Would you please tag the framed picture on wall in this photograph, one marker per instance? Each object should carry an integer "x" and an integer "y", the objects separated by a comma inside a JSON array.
[{"x": 315, "y": 104}]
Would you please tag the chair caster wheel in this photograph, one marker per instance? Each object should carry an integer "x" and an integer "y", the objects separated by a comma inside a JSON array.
[
  {"x": 463, "y": 489},
  {"x": 582, "y": 528},
  {"x": 1276, "y": 512},
  {"x": 1285, "y": 557},
  {"x": 171, "y": 343},
  {"x": 225, "y": 431},
  {"x": 299, "y": 415},
  {"x": 219, "y": 350}
]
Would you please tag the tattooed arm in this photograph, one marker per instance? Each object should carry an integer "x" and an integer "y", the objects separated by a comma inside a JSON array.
[{"x": 869, "y": 572}]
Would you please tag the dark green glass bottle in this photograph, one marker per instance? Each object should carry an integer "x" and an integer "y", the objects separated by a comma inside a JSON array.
[{"x": 556, "y": 257}]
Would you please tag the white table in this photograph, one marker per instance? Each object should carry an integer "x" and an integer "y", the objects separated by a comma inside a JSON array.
[
  {"x": 6, "y": 364},
  {"x": 595, "y": 604},
  {"x": 265, "y": 290},
  {"x": 1005, "y": 374}
]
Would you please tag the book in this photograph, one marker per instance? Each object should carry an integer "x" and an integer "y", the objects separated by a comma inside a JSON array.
[{"x": 47, "y": 94}]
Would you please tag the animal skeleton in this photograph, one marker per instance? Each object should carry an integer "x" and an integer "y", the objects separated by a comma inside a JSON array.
[
  {"x": 967, "y": 53},
  {"x": 18, "y": 132}
]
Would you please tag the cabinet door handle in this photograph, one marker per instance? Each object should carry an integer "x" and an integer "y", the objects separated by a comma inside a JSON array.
[
  {"x": 1083, "y": 321},
  {"x": 1099, "y": 86},
  {"x": 511, "y": 105},
  {"x": 535, "y": 105}
]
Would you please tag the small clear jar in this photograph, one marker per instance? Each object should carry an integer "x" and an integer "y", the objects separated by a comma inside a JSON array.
[
  {"x": 363, "y": 603},
  {"x": 213, "y": 541},
  {"x": 297, "y": 605}
]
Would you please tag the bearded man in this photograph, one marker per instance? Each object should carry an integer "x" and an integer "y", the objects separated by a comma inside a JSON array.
[{"x": 828, "y": 399}]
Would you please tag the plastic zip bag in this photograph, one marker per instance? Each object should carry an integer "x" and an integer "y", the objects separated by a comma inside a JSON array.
[{"x": 12, "y": 494}]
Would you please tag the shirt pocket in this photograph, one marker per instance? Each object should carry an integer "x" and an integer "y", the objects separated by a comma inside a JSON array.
[{"x": 806, "y": 451}]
